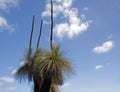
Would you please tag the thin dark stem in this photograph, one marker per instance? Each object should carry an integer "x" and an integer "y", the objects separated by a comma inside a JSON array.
[
  {"x": 31, "y": 32},
  {"x": 51, "y": 35},
  {"x": 39, "y": 34}
]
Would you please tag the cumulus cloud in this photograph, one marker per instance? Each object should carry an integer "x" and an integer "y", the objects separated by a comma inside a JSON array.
[
  {"x": 74, "y": 25},
  {"x": 6, "y": 4},
  {"x": 11, "y": 89},
  {"x": 105, "y": 47},
  {"x": 7, "y": 79},
  {"x": 66, "y": 85},
  {"x": 98, "y": 67},
  {"x": 46, "y": 22},
  {"x": 13, "y": 71},
  {"x": 58, "y": 7},
  {"x": 4, "y": 25},
  {"x": 22, "y": 63}
]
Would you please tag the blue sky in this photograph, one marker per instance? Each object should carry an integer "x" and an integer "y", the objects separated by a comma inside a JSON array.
[{"x": 87, "y": 30}]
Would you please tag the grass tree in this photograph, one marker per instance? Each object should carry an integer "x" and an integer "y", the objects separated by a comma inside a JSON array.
[{"x": 45, "y": 69}]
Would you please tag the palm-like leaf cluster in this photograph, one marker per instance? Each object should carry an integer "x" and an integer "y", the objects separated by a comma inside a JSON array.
[
  {"x": 50, "y": 64},
  {"x": 54, "y": 65},
  {"x": 27, "y": 70}
]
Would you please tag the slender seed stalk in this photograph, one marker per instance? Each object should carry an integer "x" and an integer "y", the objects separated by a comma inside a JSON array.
[
  {"x": 31, "y": 32},
  {"x": 30, "y": 43},
  {"x": 39, "y": 34},
  {"x": 51, "y": 35}
]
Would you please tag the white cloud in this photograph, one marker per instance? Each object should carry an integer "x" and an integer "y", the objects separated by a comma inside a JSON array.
[
  {"x": 98, "y": 67},
  {"x": 46, "y": 22},
  {"x": 11, "y": 89},
  {"x": 66, "y": 85},
  {"x": 13, "y": 71},
  {"x": 58, "y": 7},
  {"x": 22, "y": 63},
  {"x": 6, "y": 4},
  {"x": 4, "y": 25},
  {"x": 105, "y": 47},
  {"x": 70, "y": 30},
  {"x": 7, "y": 79},
  {"x": 74, "y": 25}
]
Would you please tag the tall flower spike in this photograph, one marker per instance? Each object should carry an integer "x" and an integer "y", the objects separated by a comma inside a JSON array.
[
  {"x": 51, "y": 34},
  {"x": 39, "y": 34},
  {"x": 31, "y": 32},
  {"x": 30, "y": 43}
]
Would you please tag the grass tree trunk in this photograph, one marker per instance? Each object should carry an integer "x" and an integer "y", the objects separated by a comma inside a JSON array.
[
  {"x": 46, "y": 85},
  {"x": 36, "y": 85}
]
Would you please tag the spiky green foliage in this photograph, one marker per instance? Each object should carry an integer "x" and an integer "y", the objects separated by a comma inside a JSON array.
[
  {"x": 27, "y": 70},
  {"x": 39, "y": 54},
  {"x": 24, "y": 73},
  {"x": 30, "y": 72},
  {"x": 54, "y": 65}
]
